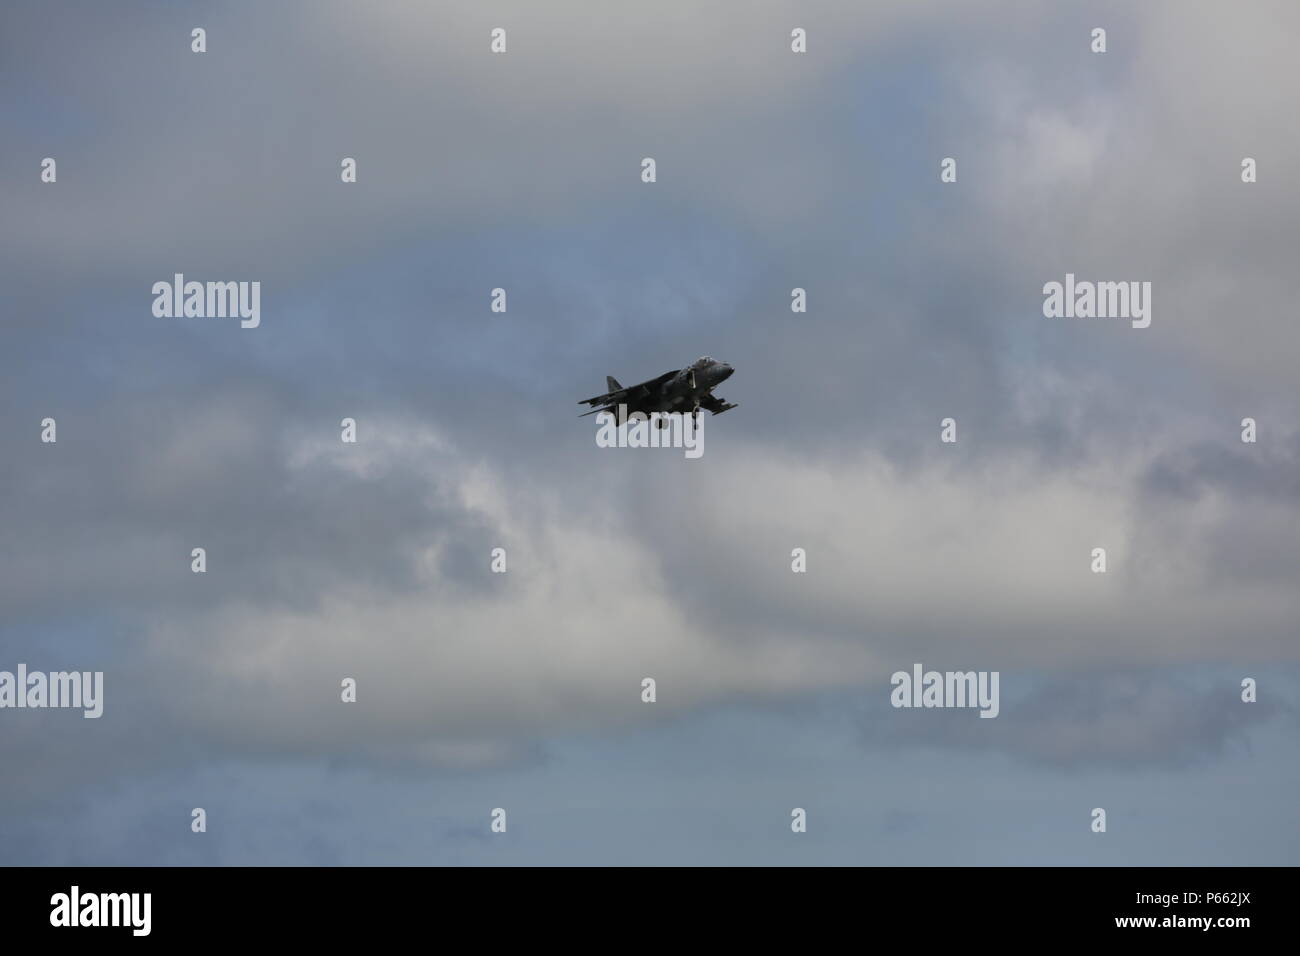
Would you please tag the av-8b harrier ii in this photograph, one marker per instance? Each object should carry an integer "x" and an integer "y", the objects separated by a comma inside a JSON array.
[{"x": 684, "y": 390}]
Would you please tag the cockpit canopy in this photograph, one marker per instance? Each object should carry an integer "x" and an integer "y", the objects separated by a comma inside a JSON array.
[{"x": 702, "y": 362}]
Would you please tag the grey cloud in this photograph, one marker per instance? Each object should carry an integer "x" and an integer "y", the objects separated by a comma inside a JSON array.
[{"x": 1137, "y": 721}]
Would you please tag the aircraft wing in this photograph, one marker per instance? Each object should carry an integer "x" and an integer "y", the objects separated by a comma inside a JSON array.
[
  {"x": 629, "y": 393},
  {"x": 716, "y": 405}
]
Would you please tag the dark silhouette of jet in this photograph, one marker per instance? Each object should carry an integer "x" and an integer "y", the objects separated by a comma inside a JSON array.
[{"x": 684, "y": 390}]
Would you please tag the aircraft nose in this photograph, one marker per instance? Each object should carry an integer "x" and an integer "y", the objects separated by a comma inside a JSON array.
[{"x": 726, "y": 371}]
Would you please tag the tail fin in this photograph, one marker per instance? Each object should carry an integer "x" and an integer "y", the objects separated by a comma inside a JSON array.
[{"x": 611, "y": 383}]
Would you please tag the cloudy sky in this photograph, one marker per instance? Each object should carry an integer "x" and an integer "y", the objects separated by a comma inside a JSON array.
[{"x": 522, "y": 690}]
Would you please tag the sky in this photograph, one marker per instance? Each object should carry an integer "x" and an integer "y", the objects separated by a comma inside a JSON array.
[{"x": 522, "y": 690}]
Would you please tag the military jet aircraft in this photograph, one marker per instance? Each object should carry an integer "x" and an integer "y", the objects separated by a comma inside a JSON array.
[{"x": 684, "y": 390}]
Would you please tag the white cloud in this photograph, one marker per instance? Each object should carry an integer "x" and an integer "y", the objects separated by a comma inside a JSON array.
[{"x": 979, "y": 566}]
